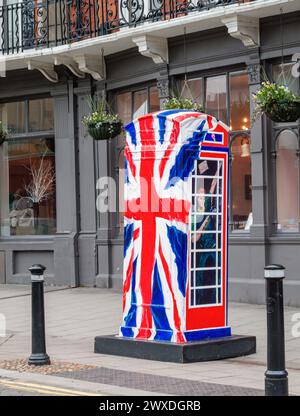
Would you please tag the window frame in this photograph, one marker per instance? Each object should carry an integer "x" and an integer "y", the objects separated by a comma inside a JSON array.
[{"x": 277, "y": 130}]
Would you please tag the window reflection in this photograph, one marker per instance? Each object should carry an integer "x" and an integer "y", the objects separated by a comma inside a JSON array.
[
  {"x": 241, "y": 194},
  {"x": 13, "y": 116},
  {"x": 287, "y": 178},
  {"x": 239, "y": 102},
  {"x": 216, "y": 97},
  {"x": 41, "y": 115},
  {"x": 139, "y": 103},
  {"x": 193, "y": 90},
  {"x": 282, "y": 74}
]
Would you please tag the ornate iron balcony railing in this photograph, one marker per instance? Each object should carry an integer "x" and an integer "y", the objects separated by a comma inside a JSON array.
[{"x": 46, "y": 23}]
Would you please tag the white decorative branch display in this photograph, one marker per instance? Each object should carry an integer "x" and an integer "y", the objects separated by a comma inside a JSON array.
[{"x": 41, "y": 186}]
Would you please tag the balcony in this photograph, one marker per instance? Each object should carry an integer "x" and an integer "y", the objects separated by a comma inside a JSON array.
[
  {"x": 43, "y": 34},
  {"x": 35, "y": 24}
]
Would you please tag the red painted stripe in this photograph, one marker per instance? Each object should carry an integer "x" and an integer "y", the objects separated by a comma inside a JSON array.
[
  {"x": 127, "y": 282},
  {"x": 128, "y": 156},
  {"x": 148, "y": 225}
]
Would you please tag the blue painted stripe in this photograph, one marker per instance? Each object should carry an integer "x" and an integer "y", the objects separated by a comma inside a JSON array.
[
  {"x": 163, "y": 335},
  {"x": 127, "y": 332},
  {"x": 215, "y": 149},
  {"x": 158, "y": 309},
  {"x": 128, "y": 236},
  {"x": 130, "y": 128},
  {"x": 130, "y": 319},
  {"x": 207, "y": 334},
  {"x": 178, "y": 241}
]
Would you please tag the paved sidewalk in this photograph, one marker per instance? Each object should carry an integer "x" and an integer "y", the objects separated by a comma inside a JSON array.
[{"x": 75, "y": 316}]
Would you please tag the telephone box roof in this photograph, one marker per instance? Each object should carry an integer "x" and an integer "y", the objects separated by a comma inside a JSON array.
[{"x": 162, "y": 126}]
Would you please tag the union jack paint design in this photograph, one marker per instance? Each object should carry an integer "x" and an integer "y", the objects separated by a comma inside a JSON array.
[{"x": 160, "y": 153}]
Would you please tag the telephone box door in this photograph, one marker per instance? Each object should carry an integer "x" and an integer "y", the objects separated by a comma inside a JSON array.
[{"x": 207, "y": 287}]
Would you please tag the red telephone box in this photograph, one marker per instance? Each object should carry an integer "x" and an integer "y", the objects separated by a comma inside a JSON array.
[{"x": 175, "y": 266}]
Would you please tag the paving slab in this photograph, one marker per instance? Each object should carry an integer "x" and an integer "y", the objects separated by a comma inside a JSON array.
[{"x": 75, "y": 316}]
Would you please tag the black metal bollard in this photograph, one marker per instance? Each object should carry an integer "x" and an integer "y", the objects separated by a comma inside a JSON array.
[
  {"x": 276, "y": 376},
  {"x": 38, "y": 355}
]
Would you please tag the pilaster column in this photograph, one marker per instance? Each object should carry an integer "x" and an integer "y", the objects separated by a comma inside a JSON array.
[
  {"x": 103, "y": 168},
  {"x": 87, "y": 190},
  {"x": 65, "y": 241},
  {"x": 258, "y": 229},
  {"x": 163, "y": 86}
]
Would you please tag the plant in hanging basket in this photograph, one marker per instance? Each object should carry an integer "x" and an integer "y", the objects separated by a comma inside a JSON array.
[
  {"x": 3, "y": 133},
  {"x": 278, "y": 102},
  {"x": 101, "y": 123},
  {"x": 180, "y": 103}
]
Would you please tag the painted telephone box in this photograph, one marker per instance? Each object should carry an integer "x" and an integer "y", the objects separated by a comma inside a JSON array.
[{"x": 175, "y": 229}]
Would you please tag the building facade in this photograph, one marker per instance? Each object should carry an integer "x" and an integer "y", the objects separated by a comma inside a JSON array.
[{"x": 54, "y": 54}]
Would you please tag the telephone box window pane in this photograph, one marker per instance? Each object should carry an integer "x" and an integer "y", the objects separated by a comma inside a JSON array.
[
  {"x": 206, "y": 296},
  {"x": 219, "y": 295},
  {"x": 206, "y": 186},
  {"x": 208, "y": 168},
  {"x": 192, "y": 297},
  {"x": 206, "y": 277},
  {"x": 204, "y": 240},
  {"x": 219, "y": 277},
  {"x": 205, "y": 258}
]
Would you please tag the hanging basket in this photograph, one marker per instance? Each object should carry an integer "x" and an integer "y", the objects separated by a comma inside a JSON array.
[
  {"x": 105, "y": 130},
  {"x": 283, "y": 111}
]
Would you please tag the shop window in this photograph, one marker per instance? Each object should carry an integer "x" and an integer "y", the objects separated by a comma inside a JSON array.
[
  {"x": 13, "y": 116},
  {"x": 27, "y": 171},
  {"x": 241, "y": 195},
  {"x": 287, "y": 182}
]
